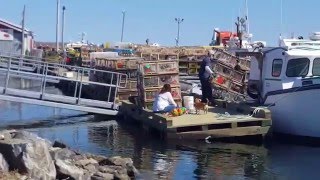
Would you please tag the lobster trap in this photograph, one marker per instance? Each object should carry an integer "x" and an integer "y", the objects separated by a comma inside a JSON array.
[{"x": 228, "y": 83}]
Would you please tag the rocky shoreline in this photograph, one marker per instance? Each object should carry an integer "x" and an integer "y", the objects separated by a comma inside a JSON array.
[{"x": 24, "y": 155}]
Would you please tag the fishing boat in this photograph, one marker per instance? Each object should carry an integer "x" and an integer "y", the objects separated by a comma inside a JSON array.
[{"x": 287, "y": 80}]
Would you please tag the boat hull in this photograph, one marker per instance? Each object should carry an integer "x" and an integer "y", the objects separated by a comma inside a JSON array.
[{"x": 296, "y": 113}]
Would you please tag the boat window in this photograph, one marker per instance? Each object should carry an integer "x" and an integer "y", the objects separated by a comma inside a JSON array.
[
  {"x": 316, "y": 67},
  {"x": 298, "y": 67},
  {"x": 276, "y": 67}
]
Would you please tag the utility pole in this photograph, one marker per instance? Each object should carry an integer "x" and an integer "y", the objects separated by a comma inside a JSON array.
[
  {"x": 62, "y": 33},
  {"x": 57, "y": 25},
  {"x": 123, "y": 17},
  {"x": 179, "y": 21},
  {"x": 23, "y": 51}
]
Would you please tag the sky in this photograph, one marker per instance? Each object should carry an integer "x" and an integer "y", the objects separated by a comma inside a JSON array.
[{"x": 101, "y": 20}]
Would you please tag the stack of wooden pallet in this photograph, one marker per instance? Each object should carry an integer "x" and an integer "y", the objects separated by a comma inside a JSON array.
[{"x": 153, "y": 75}]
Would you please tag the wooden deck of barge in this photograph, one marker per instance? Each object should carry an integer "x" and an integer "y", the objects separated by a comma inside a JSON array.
[{"x": 215, "y": 124}]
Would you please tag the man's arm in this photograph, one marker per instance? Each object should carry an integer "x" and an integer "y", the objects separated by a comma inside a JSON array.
[
  {"x": 208, "y": 70},
  {"x": 207, "y": 67}
]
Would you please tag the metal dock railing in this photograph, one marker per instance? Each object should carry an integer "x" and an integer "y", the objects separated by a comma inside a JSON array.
[{"x": 47, "y": 73}]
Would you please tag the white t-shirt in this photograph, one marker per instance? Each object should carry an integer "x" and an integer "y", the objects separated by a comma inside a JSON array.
[{"x": 162, "y": 101}]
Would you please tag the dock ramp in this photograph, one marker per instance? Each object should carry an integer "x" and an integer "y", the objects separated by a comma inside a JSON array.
[{"x": 55, "y": 74}]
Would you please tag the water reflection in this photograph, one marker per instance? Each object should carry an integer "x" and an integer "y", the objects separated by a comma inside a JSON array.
[
  {"x": 160, "y": 159},
  {"x": 15, "y": 114},
  {"x": 183, "y": 160},
  {"x": 18, "y": 113}
]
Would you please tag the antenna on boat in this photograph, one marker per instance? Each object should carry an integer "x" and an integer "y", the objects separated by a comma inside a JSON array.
[
  {"x": 281, "y": 16},
  {"x": 281, "y": 21},
  {"x": 247, "y": 17}
]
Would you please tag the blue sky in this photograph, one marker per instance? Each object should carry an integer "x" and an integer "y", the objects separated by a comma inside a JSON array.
[{"x": 101, "y": 19}]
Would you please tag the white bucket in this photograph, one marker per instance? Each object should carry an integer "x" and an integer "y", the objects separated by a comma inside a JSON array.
[{"x": 188, "y": 102}]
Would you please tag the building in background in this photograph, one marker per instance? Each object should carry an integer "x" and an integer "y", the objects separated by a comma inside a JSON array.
[{"x": 11, "y": 38}]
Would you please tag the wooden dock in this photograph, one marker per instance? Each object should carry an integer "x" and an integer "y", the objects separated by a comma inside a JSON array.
[{"x": 216, "y": 124}]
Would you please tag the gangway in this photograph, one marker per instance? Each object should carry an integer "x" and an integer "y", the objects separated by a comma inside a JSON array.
[{"x": 53, "y": 73}]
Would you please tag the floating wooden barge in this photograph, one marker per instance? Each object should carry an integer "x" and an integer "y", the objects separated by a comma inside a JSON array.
[{"x": 213, "y": 125}]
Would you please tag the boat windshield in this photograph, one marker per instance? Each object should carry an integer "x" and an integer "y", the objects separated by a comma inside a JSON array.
[
  {"x": 298, "y": 67},
  {"x": 316, "y": 67}
]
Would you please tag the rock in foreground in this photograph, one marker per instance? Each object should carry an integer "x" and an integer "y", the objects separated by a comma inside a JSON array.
[{"x": 36, "y": 158}]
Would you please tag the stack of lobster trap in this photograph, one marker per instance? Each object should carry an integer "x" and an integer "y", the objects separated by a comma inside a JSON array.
[
  {"x": 190, "y": 60},
  {"x": 126, "y": 65},
  {"x": 152, "y": 75},
  {"x": 229, "y": 80}
]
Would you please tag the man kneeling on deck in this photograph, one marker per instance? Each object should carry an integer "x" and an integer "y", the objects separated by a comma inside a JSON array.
[
  {"x": 205, "y": 76},
  {"x": 164, "y": 102}
]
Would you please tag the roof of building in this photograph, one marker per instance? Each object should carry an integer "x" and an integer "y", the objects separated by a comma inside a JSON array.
[{"x": 13, "y": 26}]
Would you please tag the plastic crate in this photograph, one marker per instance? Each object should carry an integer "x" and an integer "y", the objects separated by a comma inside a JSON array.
[{"x": 167, "y": 67}]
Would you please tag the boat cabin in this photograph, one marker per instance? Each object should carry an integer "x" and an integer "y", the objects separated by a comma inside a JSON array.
[{"x": 295, "y": 64}]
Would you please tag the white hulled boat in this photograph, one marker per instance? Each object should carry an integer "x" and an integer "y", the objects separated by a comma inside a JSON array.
[{"x": 287, "y": 79}]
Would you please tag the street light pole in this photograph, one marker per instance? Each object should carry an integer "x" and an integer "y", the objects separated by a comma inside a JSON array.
[
  {"x": 57, "y": 26},
  {"x": 62, "y": 32},
  {"x": 23, "y": 51},
  {"x": 179, "y": 21},
  {"x": 123, "y": 17}
]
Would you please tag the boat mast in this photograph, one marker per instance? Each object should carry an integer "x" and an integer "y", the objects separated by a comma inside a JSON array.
[{"x": 281, "y": 21}]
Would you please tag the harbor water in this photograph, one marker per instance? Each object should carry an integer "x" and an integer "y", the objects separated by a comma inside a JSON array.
[{"x": 159, "y": 159}]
